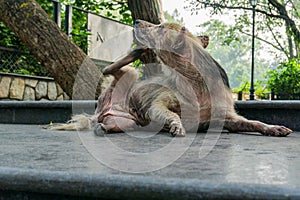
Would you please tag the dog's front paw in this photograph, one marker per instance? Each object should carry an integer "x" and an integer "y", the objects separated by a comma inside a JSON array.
[
  {"x": 274, "y": 130},
  {"x": 176, "y": 129}
]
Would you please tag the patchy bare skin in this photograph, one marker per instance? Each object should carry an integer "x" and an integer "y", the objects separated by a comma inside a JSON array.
[{"x": 112, "y": 110}]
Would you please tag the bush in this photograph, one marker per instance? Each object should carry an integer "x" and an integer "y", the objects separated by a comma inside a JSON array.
[
  {"x": 261, "y": 91},
  {"x": 284, "y": 81}
]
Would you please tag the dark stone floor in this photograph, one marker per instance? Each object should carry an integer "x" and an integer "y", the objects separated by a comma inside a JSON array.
[{"x": 227, "y": 165}]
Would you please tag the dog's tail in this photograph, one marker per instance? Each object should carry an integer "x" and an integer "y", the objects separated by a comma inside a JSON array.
[{"x": 78, "y": 122}]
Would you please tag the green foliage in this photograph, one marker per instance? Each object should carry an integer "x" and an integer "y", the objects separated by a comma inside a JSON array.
[
  {"x": 230, "y": 45},
  {"x": 232, "y": 51},
  {"x": 117, "y": 10},
  {"x": 261, "y": 91},
  {"x": 225, "y": 34},
  {"x": 47, "y": 6},
  {"x": 9, "y": 39},
  {"x": 174, "y": 18},
  {"x": 79, "y": 29},
  {"x": 285, "y": 79},
  {"x": 275, "y": 24}
]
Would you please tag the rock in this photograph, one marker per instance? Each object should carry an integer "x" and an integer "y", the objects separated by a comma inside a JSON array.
[
  {"x": 31, "y": 82},
  {"x": 59, "y": 89},
  {"x": 4, "y": 87},
  {"x": 52, "y": 91},
  {"x": 29, "y": 94},
  {"x": 60, "y": 97},
  {"x": 17, "y": 87},
  {"x": 66, "y": 97},
  {"x": 41, "y": 90}
]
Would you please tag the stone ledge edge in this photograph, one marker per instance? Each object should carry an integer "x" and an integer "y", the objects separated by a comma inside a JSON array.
[{"x": 133, "y": 186}]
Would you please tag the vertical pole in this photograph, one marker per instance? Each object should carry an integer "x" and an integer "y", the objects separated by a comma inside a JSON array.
[
  {"x": 68, "y": 20},
  {"x": 56, "y": 13},
  {"x": 252, "y": 90},
  {"x": 272, "y": 94}
]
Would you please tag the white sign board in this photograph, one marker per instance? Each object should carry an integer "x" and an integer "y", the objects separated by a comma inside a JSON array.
[{"x": 109, "y": 39}]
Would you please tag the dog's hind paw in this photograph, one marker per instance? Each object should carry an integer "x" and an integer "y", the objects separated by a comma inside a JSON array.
[{"x": 280, "y": 131}]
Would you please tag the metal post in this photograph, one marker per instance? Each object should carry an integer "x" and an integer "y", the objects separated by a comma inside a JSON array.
[
  {"x": 68, "y": 20},
  {"x": 252, "y": 90},
  {"x": 272, "y": 94},
  {"x": 56, "y": 13}
]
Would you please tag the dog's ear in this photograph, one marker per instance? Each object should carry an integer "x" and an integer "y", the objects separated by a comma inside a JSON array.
[
  {"x": 204, "y": 40},
  {"x": 183, "y": 46},
  {"x": 180, "y": 40}
]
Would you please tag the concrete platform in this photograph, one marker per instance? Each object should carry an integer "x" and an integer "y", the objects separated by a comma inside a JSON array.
[{"x": 40, "y": 164}]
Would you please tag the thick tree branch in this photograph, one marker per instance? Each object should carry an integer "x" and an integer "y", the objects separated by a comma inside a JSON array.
[
  {"x": 277, "y": 41},
  {"x": 214, "y": 5},
  {"x": 290, "y": 23}
]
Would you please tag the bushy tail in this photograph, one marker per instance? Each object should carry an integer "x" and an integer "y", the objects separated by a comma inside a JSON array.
[{"x": 78, "y": 122}]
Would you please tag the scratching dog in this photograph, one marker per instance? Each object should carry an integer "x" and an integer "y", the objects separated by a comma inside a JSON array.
[{"x": 192, "y": 95}]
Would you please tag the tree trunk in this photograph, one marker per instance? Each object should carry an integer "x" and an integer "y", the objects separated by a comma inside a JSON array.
[
  {"x": 290, "y": 23},
  {"x": 290, "y": 42},
  {"x": 71, "y": 68},
  {"x": 151, "y": 11}
]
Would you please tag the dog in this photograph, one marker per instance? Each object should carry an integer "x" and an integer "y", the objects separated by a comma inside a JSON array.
[{"x": 192, "y": 95}]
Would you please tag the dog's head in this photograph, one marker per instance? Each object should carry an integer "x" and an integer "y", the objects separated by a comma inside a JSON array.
[
  {"x": 177, "y": 47},
  {"x": 166, "y": 36}
]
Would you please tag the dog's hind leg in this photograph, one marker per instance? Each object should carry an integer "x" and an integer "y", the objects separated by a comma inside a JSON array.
[
  {"x": 237, "y": 123},
  {"x": 112, "y": 112}
]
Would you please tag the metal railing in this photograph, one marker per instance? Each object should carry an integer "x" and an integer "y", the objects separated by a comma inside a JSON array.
[
  {"x": 20, "y": 62},
  {"x": 285, "y": 96},
  {"x": 13, "y": 60}
]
